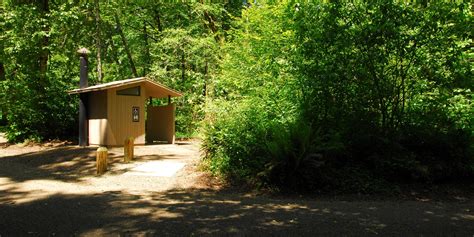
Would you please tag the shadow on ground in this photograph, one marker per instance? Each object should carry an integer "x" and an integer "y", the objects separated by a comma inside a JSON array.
[
  {"x": 67, "y": 163},
  {"x": 202, "y": 212},
  {"x": 179, "y": 212}
]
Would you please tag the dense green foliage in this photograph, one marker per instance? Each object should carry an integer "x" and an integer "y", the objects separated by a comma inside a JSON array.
[
  {"x": 173, "y": 43},
  {"x": 254, "y": 97},
  {"x": 346, "y": 96},
  {"x": 310, "y": 96}
]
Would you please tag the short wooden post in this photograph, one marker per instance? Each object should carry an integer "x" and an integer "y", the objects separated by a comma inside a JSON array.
[
  {"x": 101, "y": 160},
  {"x": 128, "y": 149}
]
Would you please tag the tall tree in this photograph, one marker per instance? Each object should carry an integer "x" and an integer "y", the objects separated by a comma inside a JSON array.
[
  {"x": 44, "y": 51},
  {"x": 125, "y": 45},
  {"x": 2, "y": 44},
  {"x": 146, "y": 66},
  {"x": 3, "y": 111},
  {"x": 98, "y": 40}
]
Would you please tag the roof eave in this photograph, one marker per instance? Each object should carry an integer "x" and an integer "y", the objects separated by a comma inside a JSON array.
[
  {"x": 177, "y": 94},
  {"x": 129, "y": 82}
]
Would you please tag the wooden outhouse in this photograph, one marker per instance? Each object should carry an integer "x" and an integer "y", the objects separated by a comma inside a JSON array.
[{"x": 116, "y": 111}]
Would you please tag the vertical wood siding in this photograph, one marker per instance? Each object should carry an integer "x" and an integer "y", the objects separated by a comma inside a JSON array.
[{"x": 119, "y": 113}]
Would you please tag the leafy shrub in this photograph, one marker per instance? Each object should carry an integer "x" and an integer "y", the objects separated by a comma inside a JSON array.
[
  {"x": 36, "y": 116},
  {"x": 233, "y": 141},
  {"x": 382, "y": 92}
]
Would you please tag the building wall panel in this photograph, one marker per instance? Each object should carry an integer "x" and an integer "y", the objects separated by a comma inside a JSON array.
[
  {"x": 97, "y": 115},
  {"x": 161, "y": 123},
  {"x": 119, "y": 113}
]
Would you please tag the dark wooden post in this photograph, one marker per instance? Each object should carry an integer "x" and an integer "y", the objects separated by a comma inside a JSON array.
[{"x": 83, "y": 82}]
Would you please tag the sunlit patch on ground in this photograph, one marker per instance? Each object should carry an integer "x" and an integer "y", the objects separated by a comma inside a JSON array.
[{"x": 156, "y": 168}]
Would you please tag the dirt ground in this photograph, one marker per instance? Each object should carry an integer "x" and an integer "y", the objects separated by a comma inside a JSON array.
[
  {"x": 51, "y": 189},
  {"x": 3, "y": 140}
]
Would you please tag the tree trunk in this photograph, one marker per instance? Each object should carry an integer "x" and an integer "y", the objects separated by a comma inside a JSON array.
[
  {"x": 113, "y": 48},
  {"x": 183, "y": 67},
  {"x": 2, "y": 51},
  {"x": 146, "y": 67},
  {"x": 2, "y": 72},
  {"x": 3, "y": 112},
  {"x": 44, "y": 52},
  {"x": 2, "y": 57},
  {"x": 204, "y": 89},
  {"x": 125, "y": 44},
  {"x": 158, "y": 20},
  {"x": 98, "y": 41},
  {"x": 212, "y": 25}
]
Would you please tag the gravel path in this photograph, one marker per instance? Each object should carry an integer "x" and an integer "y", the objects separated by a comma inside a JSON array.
[
  {"x": 49, "y": 190},
  {"x": 42, "y": 171}
]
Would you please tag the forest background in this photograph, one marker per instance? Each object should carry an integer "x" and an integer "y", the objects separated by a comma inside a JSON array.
[{"x": 312, "y": 96}]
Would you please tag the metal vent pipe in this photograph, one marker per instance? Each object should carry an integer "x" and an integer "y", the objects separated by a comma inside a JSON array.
[{"x": 83, "y": 82}]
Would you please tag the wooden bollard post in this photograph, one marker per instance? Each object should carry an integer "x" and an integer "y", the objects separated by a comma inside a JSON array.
[
  {"x": 101, "y": 160},
  {"x": 128, "y": 149}
]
